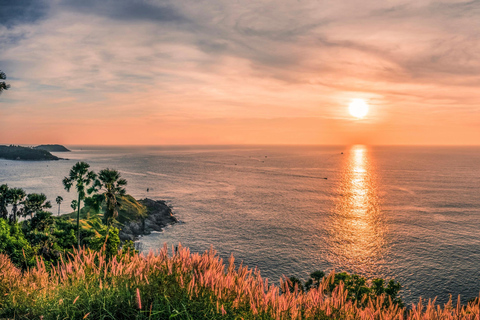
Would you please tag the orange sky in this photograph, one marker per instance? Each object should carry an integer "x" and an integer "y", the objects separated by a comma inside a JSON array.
[{"x": 247, "y": 72}]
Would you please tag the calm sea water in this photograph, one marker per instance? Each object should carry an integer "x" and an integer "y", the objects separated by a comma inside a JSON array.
[{"x": 409, "y": 213}]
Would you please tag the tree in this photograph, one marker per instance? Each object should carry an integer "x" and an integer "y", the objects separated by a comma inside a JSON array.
[
  {"x": 3, "y": 201},
  {"x": 15, "y": 197},
  {"x": 109, "y": 186},
  {"x": 315, "y": 279},
  {"x": 112, "y": 185},
  {"x": 3, "y": 85},
  {"x": 74, "y": 205},
  {"x": 293, "y": 283},
  {"x": 81, "y": 177},
  {"x": 34, "y": 203},
  {"x": 358, "y": 288},
  {"x": 59, "y": 200}
]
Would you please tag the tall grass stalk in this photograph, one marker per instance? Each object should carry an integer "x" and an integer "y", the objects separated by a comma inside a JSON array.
[{"x": 182, "y": 285}]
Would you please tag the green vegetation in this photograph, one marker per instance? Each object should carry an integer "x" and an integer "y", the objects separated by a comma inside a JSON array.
[
  {"x": 93, "y": 285},
  {"x": 91, "y": 215},
  {"x": 81, "y": 177},
  {"x": 59, "y": 200},
  {"x": 43, "y": 236},
  {"x": 25, "y": 153},
  {"x": 3, "y": 84},
  {"x": 359, "y": 290},
  {"x": 52, "y": 148}
]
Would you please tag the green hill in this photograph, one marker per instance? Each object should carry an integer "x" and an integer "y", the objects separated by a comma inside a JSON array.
[
  {"x": 135, "y": 217},
  {"x": 52, "y": 148}
]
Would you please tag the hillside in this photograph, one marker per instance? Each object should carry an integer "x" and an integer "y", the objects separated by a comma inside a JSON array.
[
  {"x": 52, "y": 148},
  {"x": 25, "y": 153},
  {"x": 135, "y": 217}
]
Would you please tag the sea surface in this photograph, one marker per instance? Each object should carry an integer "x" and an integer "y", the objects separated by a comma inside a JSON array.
[{"x": 409, "y": 213}]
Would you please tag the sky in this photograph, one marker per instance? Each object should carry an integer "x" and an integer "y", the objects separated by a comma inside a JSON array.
[{"x": 154, "y": 72}]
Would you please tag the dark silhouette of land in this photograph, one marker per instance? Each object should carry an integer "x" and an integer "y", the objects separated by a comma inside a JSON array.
[
  {"x": 52, "y": 148},
  {"x": 25, "y": 153}
]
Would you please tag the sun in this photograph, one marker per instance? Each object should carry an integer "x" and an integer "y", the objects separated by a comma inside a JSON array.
[{"x": 358, "y": 108}]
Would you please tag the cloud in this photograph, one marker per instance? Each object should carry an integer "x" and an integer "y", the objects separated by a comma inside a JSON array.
[
  {"x": 22, "y": 11},
  {"x": 200, "y": 60},
  {"x": 127, "y": 10}
]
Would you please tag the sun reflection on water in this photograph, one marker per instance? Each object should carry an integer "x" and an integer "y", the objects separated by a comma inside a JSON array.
[{"x": 357, "y": 227}]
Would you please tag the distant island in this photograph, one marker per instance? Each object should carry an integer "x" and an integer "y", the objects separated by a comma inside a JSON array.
[
  {"x": 12, "y": 152},
  {"x": 52, "y": 148}
]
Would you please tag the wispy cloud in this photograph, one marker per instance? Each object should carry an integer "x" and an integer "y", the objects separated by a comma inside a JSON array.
[{"x": 192, "y": 61}]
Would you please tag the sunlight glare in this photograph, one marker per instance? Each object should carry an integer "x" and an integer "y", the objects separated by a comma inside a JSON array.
[{"x": 358, "y": 108}]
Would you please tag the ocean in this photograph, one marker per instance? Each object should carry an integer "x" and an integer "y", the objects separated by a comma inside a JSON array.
[{"x": 408, "y": 213}]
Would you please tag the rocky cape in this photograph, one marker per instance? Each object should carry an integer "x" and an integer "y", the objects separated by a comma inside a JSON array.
[{"x": 157, "y": 217}]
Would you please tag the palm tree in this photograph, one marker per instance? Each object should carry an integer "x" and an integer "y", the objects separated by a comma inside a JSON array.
[
  {"x": 3, "y": 85},
  {"x": 81, "y": 177},
  {"x": 112, "y": 186},
  {"x": 34, "y": 203},
  {"x": 73, "y": 205},
  {"x": 15, "y": 197},
  {"x": 3, "y": 201},
  {"x": 59, "y": 200}
]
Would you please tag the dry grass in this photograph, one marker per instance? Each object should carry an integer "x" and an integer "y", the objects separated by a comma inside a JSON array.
[{"x": 184, "y": 286}]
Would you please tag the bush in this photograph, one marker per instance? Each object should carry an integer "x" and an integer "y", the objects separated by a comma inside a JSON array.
[
  {"x": 358, "y": 289},
  {"x": 14, "y": 244}
]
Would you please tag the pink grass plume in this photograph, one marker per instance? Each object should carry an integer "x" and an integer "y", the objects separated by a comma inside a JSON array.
[{"x": 139, "y": 300}]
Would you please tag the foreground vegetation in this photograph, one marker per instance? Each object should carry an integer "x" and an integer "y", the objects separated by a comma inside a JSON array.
[
  {"x": 43, "y": 236},
  {"x": 89, "y": 285}
]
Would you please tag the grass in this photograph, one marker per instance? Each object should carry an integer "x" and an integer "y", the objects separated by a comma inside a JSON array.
[
  {"x": 130, "y": 209},
  {"x": 180, "y": 285}
]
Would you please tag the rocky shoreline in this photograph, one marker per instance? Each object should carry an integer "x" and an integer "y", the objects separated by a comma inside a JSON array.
[{"x": 159, "y": 215}]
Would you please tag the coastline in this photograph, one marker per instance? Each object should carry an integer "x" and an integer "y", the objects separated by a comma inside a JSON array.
[{"x": 159, "y": 216}]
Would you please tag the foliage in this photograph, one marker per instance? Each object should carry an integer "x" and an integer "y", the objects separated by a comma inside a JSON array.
[
  {"x": 44, "y": 236},
  {"x": 59, "y": 200},
  {"x": 358, "y": 289},
  {"x": 181, "y": 285},
  {"x": 74, "y": 205},
  {"x": 109, "y": 186},
  {"x": 91, "y": 215},
  {"x": 4, "y": 201},
  {"x": 315, "y": 279},
  {"x": 81, "y": 177},
  {"x": 15, "y": 197},
  {"x": 34, "y": 203},
  {"x": 3, "y": 84},
  {"x": 14, "y": 244},
  {"x": 110, "y": 245}
]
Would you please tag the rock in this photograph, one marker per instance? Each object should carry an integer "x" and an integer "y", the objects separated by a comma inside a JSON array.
[{"x": 159, "y": 215}]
